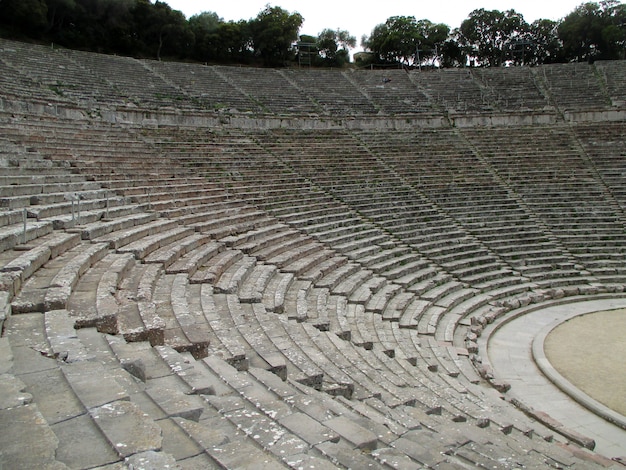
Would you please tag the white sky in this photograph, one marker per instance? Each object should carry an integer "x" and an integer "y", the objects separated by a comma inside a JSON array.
[{"x": 359, "y": 19}]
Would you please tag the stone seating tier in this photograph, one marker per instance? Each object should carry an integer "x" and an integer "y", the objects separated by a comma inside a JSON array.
[{"x": 288, "y": 298}]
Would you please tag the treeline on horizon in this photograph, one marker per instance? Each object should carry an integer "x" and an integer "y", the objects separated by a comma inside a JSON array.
[{"x": 139, "y": 28}]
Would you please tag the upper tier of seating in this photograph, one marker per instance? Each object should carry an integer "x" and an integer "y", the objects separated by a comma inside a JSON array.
[{"x": 97, "y": 82}]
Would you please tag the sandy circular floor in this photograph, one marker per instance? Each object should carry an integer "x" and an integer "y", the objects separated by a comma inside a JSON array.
[{"x": 590, "y": 351}]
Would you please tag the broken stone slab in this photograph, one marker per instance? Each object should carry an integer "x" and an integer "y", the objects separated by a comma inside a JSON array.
[
  {"x": 174, "y": 402},
  {"x": 154, "y": 325},
  {"x": 55, "y": 400},
  {"x": 5, "y": 308},
  {"x": 312, "y": 431},
  {"x": 11, "y": 283},
  {"x": 228, "y": 447},
  {"x": 62, "y": 337},
  {"x": 139, "y": 359},
  {"x": 27, "y": 330},
  {"x": 394, "y": 458},
  {"x": 343, "y": 453},
  {"x": 82, "y": 445},
  {"x": 557, "y": 426},
  {"x": 28, "y": 262},
  {"x": 151, "y": 460},
  {"x": 197, "y": 378},
  {"x": 30, "y": 442},
  {"x": 12, "y": 392},
  {"x": 93, "y": 384},
  {"x": 127, "y": 428},
  {"x": 353, "y": 433},
  {"x": 56, "y": 297}
]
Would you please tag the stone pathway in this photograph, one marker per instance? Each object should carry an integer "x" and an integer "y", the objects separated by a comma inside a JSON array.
[{"x": 510, "y": 354}]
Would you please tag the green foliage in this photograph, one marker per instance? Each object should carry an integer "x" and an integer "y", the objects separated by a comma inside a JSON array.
[
  {"x": 333, "y": 47},
  {"x": 594, "y": 31},
  {"x": 159, "y": 29},
  {"x": 273, "y": 32},
  {"x": 487, "y": 36},
  {"x": 545, "y": 45},
  {"x": 404, "y": 40},
  {"x": 24, "y": 17},
  {"x": 150, "y": 28}
]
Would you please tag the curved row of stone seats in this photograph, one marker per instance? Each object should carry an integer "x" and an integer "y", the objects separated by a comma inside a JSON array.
[
  {"x": 233, "y": 304},
  {"x": 133, "y": 82},
  {"x": 35, "y": 72},
  {"x": 370, "y": 355},
  {"x": 234, "y": 299},
  {"x": 455, "y": 90},
  {"x": 392, "y": 91},
  {"x": 514, "y": 88},
  {"x": 168, "y": 408},
  {"x": 333, "y": 91},
  {"x": 55, "y": 71},
  {"x": 374, "y": 191},
  {"x": 604, "y": 144},
  {"x": 246, "y": 270},
  {"x": 103, "y": 81},
  {"x": 272, "y": 89},
  {"x": 436, "y": 163},
  {"x": 377, "y": 247},
  {"x": 229, "y": 288},
  {"x": 547, "y": 168},
  {"x": 502, "y": 293},
  {"x": 124, "y": 401},
  {"x": 206, "y": 86},
  {"x": 574, "y": 86},
  {"x": 613, "y": 75}
]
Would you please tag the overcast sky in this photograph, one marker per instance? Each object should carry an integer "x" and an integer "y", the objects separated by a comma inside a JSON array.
[{"x": 359, "y": 18}]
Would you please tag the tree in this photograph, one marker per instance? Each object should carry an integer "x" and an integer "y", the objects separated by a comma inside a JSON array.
[
  {"x": 232, "y": 42},
  {"x": 432, "y": 37},
  {"x": 451, "y": 53},
  {"x": 204, "y": 27},
  {"x": 395, "y": 41},
  {"x": 546, "y": 46},
  {"x": 159, "y": 29},
  {"x": 333, "y": 47},
  {"x": 488, "y": 35},
  {"x": 97, "y": 25},
  {"x": 594, "y": 31},
  {"x": 403, "y": 39},
  {"x": 58, "y": 11},
  {"x": 24, "y": 17},
  {"x": 273, "y": 32}
]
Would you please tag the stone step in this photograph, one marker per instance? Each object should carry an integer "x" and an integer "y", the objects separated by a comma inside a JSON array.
[
  {"x": 52, "y": 284},
  {"x": 149, "y": 243},
  {"x": 168, "y": 254},
  {"x": 21, "y": 264},
  {"x": 156, "y": 228},
  {"x": 93, "y": 303},
  {"x": 213, "y": 268},
  {"x": 13, "y": 235},
  {"x": 101, "y": 228},
  {"x": 193, "y": 259}
]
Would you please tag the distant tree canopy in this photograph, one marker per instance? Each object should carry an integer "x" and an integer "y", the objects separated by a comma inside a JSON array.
[
  {"x": 493, "y": 38},
  {"x": 151, "y": 28},
  {"x": 404, "y": 40}
]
